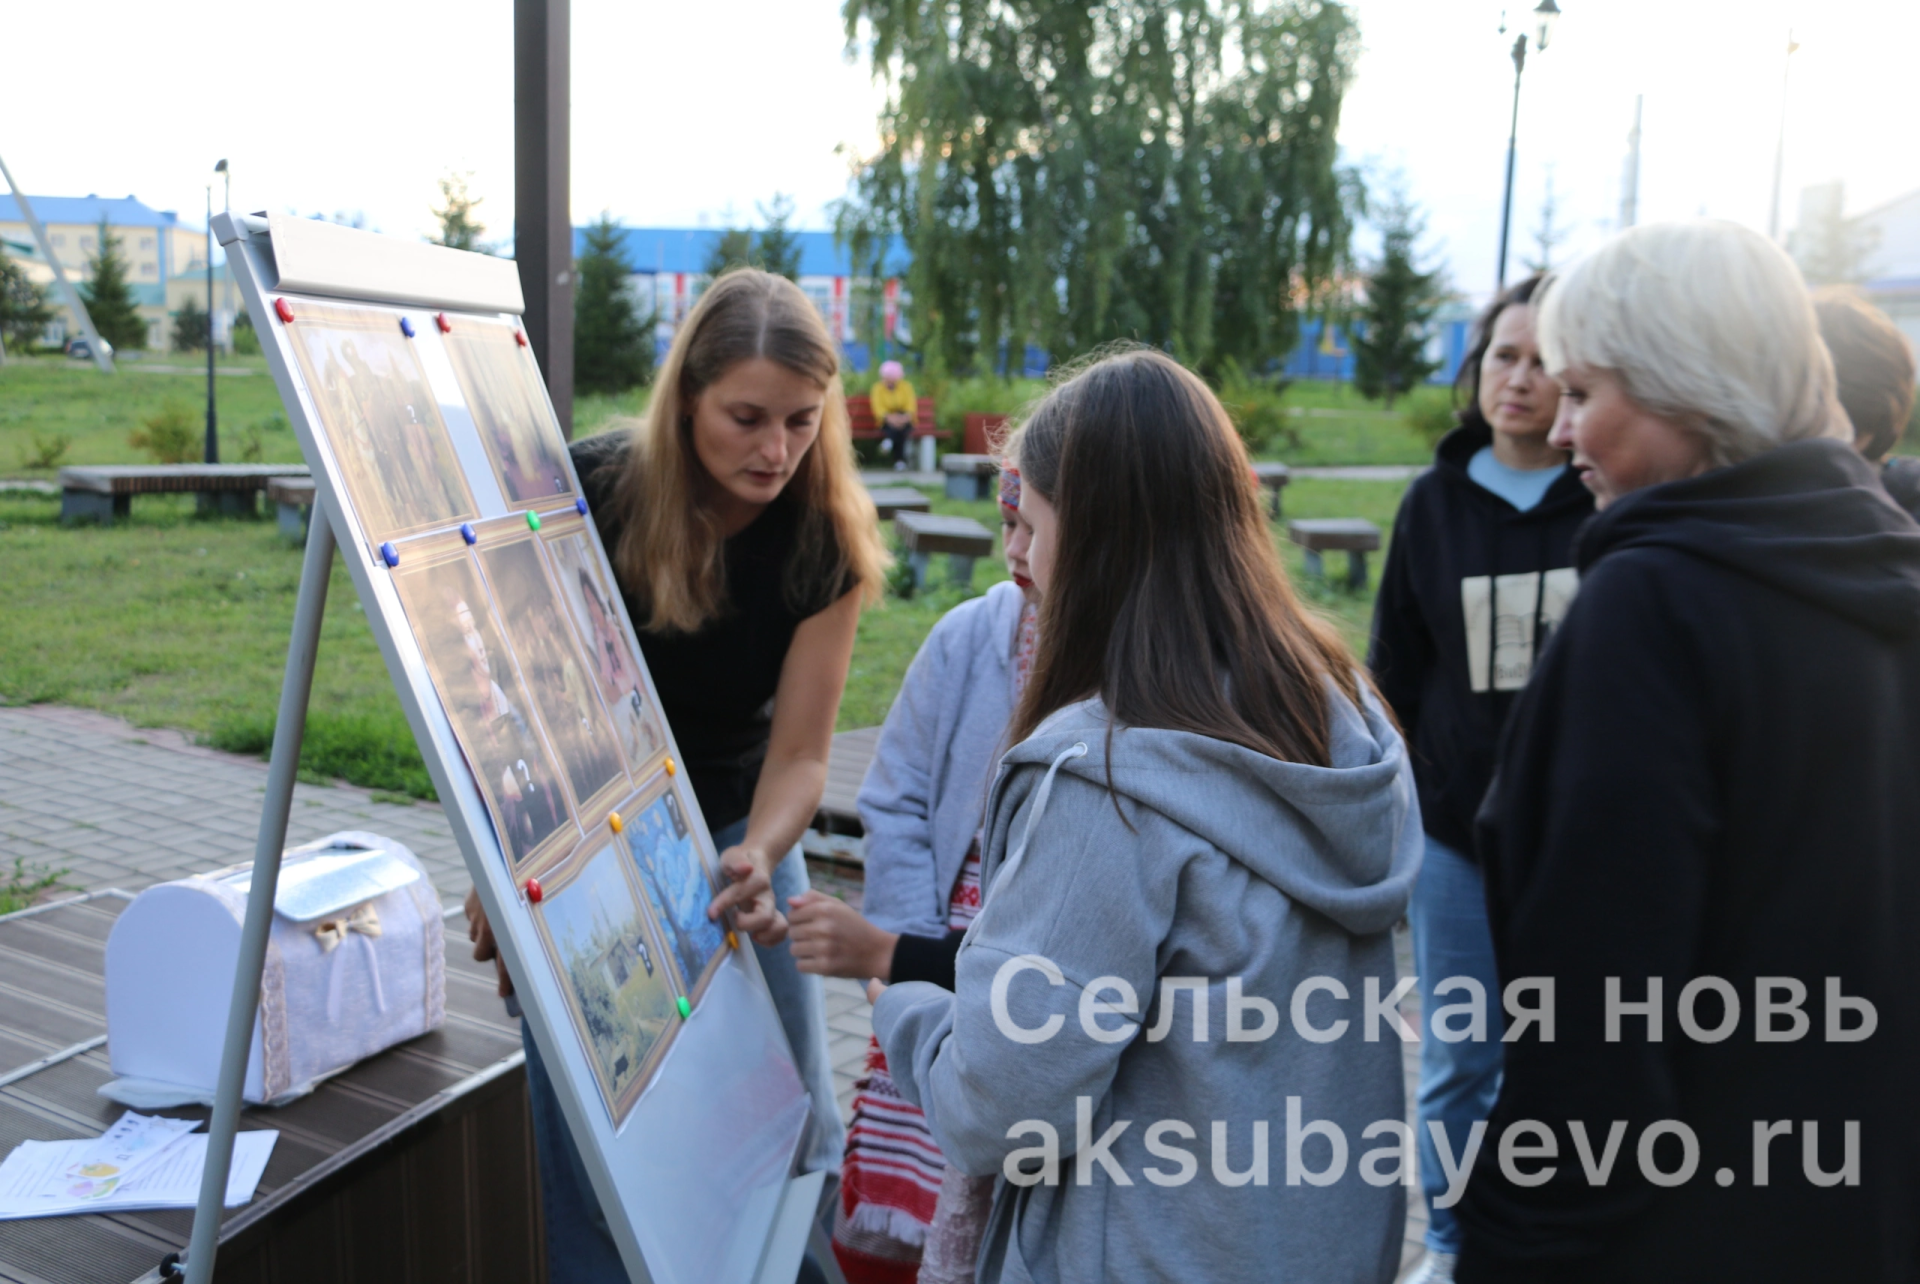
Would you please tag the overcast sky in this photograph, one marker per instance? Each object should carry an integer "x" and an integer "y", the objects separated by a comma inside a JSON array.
[{"x": 684, "y": 112}]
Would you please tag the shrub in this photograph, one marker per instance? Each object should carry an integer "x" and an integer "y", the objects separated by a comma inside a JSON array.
[
  {"x": 1429, "y": 412},
  {"x": 46, "y": 450},
  {"x": 170, "y": 436},
  {"x": 955, "y": 399},
  {"x": 24, "y": 885},
  {"x": 1258, "y": 411},
  {"x": 246, "y": 339}
]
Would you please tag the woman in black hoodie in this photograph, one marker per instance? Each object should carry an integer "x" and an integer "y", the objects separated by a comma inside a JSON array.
[
  {"x": 1706, "y": 804},
  {"x": 1480, "y": 570}
]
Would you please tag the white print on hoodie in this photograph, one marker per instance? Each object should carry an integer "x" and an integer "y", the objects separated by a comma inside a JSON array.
[{"x": 1516, "y": 599}]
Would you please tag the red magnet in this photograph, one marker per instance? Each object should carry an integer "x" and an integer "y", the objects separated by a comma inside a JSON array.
[
  {"x": 283, "y": 310},
  {"x": 520, "y": 337},
  {"x": 440, "y": 319},
  {"x": 533, "y": 890}
]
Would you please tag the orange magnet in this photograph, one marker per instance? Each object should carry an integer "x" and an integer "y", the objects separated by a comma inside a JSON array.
[
  {"x": 733, "y": 942},
  {"x": 613, "y": 819},
  {"x": 533, "y": 890},
  {"x": 671, "y": 769}
]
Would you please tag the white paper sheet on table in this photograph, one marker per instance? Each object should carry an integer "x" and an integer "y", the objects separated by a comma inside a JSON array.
[{"x": 33, "y": 1181}]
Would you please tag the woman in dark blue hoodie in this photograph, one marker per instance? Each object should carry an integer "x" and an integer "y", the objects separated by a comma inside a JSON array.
[
  {"x": 1705, "y": 827},
  {"x": 1480, "y": 571}
]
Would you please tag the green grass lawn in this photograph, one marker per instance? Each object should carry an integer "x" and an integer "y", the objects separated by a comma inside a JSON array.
[{"x": 170, "y": 619}]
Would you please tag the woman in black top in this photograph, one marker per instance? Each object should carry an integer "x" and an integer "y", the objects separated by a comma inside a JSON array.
[{"x": 744, "y": 545}]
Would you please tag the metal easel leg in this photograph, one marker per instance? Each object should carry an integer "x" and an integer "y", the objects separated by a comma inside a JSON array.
[{"x": 288, "y": 730}]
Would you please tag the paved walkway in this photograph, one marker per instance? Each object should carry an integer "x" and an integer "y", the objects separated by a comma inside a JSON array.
[{"x": 117, "y": 806}]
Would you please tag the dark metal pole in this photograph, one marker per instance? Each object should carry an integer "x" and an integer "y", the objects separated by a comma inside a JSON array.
[
  {"x": 543, "y": 224},
  {"x": 213, "y": 430},
  {"x": 1513, "y": 139}
]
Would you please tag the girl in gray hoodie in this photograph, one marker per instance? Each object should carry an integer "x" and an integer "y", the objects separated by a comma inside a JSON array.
[{"x": 1171, "y": 1035}]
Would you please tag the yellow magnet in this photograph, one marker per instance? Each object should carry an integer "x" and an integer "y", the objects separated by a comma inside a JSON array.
[
  {"x": 613, "y": 819},
  {"x": 671, "y": 769}
]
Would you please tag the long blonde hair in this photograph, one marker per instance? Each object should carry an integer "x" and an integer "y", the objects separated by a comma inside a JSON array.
[{"x": 669, "y": 554}]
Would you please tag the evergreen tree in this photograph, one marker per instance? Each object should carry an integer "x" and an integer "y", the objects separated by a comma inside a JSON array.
[
  {"x": 109, "y": 299},
  {"x": 459, "y": 229},
  {"x": 733, "y": 249},
  {"x": 24, "y": 311},
  {"x": 777, "y": 249},
  {"x": 1389, "y": 345},
  {"x": 612, "y": 339},
  {"x": 190, "y": 327},
  {"x": 1549, "y": 234},
  {"x": 1831, "y": 248}
]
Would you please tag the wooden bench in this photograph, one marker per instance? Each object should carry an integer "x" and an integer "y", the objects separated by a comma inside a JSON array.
[
  {"x": 1320, "y": 535},
  {"x": 983, "y": 434},
  {"x": 103, "y": 492},
  {"x": 889, "y": 500},
  {"x": 292, "y": 498},
  {"x": 866, "y": 428},
  {"x": 1273, "y": 478},
  {"x": 961, "y": 538},
  {"x": 971, "y": 476}
]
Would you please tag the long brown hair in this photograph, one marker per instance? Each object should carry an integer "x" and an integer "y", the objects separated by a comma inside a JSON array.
[
  {"x": 1167, "y": 597},
  {"x": 670, "y": 553}
]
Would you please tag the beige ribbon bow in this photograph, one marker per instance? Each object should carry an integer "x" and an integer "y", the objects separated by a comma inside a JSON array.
[{"x": 364, "y": 919}]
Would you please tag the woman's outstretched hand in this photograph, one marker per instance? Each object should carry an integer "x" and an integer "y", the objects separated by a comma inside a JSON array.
[
  {"x": 749, "y": 894},
  {"x": 831, "y": 938}
]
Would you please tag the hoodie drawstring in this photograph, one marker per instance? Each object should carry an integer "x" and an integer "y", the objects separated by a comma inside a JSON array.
[{"x": 1078, "y": 750}]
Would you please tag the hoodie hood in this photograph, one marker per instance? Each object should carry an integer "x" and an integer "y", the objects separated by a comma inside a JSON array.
[
  {"x": 1809, "y": 519},
  {"x": 1457, "y": 449},
  {"x": 1344, "y": 840}
]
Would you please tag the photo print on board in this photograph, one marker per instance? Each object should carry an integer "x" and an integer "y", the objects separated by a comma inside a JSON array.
[
  {"x": 487, "y": 702},
  {"x": 611, "y": 650},
  {"x": 620, "y": 993},
  {"x": 502, "y": 386},
  {"x": 557, "y": 672},
  {"x": 381, "y": 420},
  {"x": 678, "y": 885}
]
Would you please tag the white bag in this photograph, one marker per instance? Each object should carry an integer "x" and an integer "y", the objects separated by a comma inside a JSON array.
[{"x": 355, "y": 963}]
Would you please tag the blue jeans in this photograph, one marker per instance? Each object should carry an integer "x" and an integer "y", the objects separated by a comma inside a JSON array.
[
  {"x": 1458, "y": 1081},
  {"x": 580, "y": 1248}
]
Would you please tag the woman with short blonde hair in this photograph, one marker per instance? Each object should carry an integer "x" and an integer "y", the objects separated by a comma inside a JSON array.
[{"x": 1704, "y": 802}]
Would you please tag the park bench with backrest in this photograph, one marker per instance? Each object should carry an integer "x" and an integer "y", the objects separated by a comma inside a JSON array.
[
  {"x": 105, "y": 491},
  {"x": 1351, "y": 535},
  {"x": 962, "y": 539},
  {"x": 867, "y": 428}
]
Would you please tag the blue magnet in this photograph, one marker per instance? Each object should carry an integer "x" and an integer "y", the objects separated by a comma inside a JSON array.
[
  {"x": 390, "y": 555},
  {"x": 466, "y": 533},
  {"x": 406, "y": 327},
  {"x": 580, "y": 507}
]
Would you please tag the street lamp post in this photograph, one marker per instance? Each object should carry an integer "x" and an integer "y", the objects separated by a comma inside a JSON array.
[
  {"x": 1545, "y": 14},
  {"x": 1780, "y": 145},
  {"x": 213, "y": 430}
]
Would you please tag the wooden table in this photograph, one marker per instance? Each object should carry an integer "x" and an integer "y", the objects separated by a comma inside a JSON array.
[
  {"x": 103, "y": 492},
  {"x": 414, "y": 1164}
]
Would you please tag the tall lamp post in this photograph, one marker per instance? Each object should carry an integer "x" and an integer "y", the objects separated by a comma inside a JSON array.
[
  {"x": 1780, "y": 145},
  {"x": 213, "y": 431},
  {"x": 1544, "y": 14}
]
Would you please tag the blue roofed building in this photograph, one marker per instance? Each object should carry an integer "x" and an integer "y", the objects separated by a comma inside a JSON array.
[
  {"x": 867, "y": 317},
  {"x": 156, "y": 245}
]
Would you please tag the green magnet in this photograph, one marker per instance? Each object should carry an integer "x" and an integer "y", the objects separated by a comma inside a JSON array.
[
  {"x": 686, "y": 1008},
  {"x": 533, "y": 520}
]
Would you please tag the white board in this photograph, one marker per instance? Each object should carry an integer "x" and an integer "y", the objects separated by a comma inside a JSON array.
[{"x": 431, "y": 439}]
